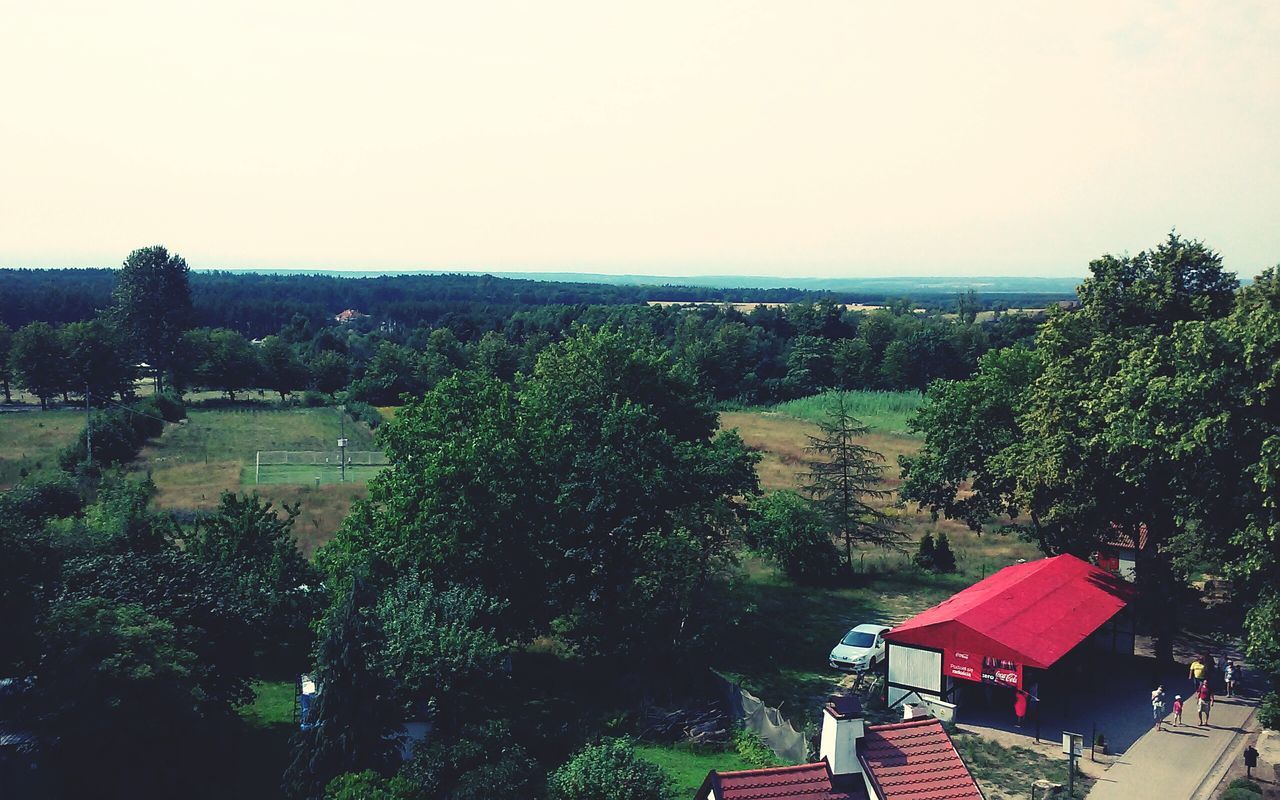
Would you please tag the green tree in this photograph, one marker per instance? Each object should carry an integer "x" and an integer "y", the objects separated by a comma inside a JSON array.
[
  {"x": 224, "y": 360},
  {"x": 468, "y": 763},
  {"x": 944, "y": 560},
  {"x": 97, "y": 360},
  {"x": 610, "y": 770},
  {"x": 1079, "y": 438},
  {"x": 795, "y": 535},
  {"x": 356, "y": 718},
  {"x": 926, "y": 554},
  {"x": 281, "y": 369},
  {"x": 6, "y": 347},
  {"x": 247, "y": 540},
  {"x": 438, "y": 645},
  {"x": 115, "y": 698},
  {"x": 39, "y": 361},
  {"x": 151, "y": 304},
  {"x": 843, "y": 477},
  {"x": 330, "y": 372}
]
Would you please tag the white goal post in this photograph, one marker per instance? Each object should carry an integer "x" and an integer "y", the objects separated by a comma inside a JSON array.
[{"x": 315, "y": 458}]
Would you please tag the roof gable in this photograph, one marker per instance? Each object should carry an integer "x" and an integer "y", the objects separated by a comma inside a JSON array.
[{"x": 916, "y": 760}]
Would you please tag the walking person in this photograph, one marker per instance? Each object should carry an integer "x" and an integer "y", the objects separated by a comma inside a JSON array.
[
  {"x": 1230, "y": 675},
  {"x": 1157, "y": 707},
  {"x": 1196, "y": 673},
  {"x": 1020, "y": 705},
  {"x": 1204, "y": 703},
  {"x": 1177, "y": 710}
]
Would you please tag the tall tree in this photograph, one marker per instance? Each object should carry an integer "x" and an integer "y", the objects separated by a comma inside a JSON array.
[
  {"x": 281, "y": 369},
  {"x": 6, "y": 346},
  {"x": 356, "y": 716},
  {"x": 39, "y": 359},
  {"x": 151, "y": 303},
  {"x": 96, "y": 360},
  {"x": 223, "y": 360},
  {"x": 844, "y": 477}
]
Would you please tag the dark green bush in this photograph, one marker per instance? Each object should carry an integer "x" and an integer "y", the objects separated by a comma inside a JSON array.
[
  {"x": 610, "y": 770},
  {"x": 753, "y": 750},
  {"x": 362, "y": 411},
  {"x": 313, "y": 399},
  {"x": 1245, "y": 784},
  {"x": 1269, "y": 711}
]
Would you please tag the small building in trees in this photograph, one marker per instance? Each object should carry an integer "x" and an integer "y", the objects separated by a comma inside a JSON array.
[
  {"x": 348, "y": 316},
  {"x": 1027, "y": 628},
  {"x": 1120, "y": 551}
]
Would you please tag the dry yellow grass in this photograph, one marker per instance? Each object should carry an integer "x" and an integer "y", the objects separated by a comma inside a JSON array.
[{"x": 781, "y": 441}]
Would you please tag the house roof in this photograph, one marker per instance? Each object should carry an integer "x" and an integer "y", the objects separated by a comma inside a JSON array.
[
  {"x": 1121, "y": 538},
  {"x": 803, "y": 782},
  {"x": 916, "y": 760},
  {"x": 1032, "y": 613}
]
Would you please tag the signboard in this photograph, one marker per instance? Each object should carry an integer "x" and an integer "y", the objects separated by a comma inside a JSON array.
[
  {"x": 1073, "y": 743},
  {"x": 982, "y": 669}
]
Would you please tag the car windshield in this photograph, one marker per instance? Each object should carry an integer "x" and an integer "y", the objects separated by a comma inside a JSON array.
[{"x": 858, "y": 639}]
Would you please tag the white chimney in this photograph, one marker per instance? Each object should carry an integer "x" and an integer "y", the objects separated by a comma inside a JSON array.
[
  {"x": 842, "y": 728},
  {"x": 915, "y": 711}
]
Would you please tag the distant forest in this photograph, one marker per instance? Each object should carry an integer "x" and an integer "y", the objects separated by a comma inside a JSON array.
[
  {"x": 258, "y": 304},
  {"x": 414, "y": 330}
]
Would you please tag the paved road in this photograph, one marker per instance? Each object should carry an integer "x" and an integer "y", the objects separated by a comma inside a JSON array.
[{"x": 1171, "y": 765}]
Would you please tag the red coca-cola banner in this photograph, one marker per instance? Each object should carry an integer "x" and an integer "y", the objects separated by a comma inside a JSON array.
[{"x": 981, "y": 669}]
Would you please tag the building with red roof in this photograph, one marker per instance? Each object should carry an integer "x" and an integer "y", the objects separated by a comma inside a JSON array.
[
  {"x": 912, "y": 760},
  {"x": 1025, "y": 617}
]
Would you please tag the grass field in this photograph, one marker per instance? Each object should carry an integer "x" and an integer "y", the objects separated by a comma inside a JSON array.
[
  {"x": 30, "y": 441},
  {"x": 883, "y": 412},
  {"x": 301, "y": 475},
  {"x": 263, "y": 748},
  {"x": 687, "y": 768},
  {"x": 194, "y": 462}
]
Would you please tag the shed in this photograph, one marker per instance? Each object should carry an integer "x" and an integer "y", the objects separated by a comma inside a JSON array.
[{"x": 1026, "y": 616}]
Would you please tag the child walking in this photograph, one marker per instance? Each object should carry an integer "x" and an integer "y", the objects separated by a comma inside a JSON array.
[{"x": 1177, "y": 710}]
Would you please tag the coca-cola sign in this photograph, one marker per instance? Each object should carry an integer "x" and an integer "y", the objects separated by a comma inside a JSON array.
[{"x": 981, "y": 669}]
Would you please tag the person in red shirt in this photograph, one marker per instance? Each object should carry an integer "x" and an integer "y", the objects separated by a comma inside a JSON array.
[
  {"x": 1020, "y": 706},
  {"x": 1204, "y": 703}
]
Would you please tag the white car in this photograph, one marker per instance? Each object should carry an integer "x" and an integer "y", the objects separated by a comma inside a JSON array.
[{"x": 861, "y": 649}]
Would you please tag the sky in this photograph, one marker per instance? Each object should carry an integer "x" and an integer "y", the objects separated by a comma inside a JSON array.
[{"x": 841, "y": 138}]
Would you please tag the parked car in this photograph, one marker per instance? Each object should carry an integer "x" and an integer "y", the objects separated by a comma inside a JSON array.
[{"x": 861, "y": 649}]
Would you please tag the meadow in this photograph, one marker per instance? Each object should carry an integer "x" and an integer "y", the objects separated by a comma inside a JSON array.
[
  {"x": 194, "y": 462},
  {"x": 31, "y": 440}
]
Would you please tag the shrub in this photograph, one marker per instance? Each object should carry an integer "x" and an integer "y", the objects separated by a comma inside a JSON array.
[
  {"x": 610, "y": 770},
  {"x": 753, "y": 749},
  {"x": 943, "y": 559},
  {"x": 791, "y": 532},
  {"x": 925, "y": 556},
  {"x": 1246, "y": 785},
  {"x": 1269, "y": 711},
  {"x": 362, "y": 411},
  {"x": 313, "y": 399}
]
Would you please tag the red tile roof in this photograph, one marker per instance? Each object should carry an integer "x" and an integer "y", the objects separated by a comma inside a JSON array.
[
  {"x": 804, "y": 782},
  {"x": 1032, "y": 613},
  {"x": 1123, "y": 539},
  {"x": 916, "y": 760}
]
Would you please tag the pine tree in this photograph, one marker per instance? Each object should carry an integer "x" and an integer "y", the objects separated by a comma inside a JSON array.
[
  {"x": 356, "y": 717},
  {"x": 926, "y": 556},
  {"x": 943, "y": 559},
  {"x": 844, "y": 476}
]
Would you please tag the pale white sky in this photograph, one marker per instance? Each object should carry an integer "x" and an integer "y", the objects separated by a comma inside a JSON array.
[{"x": 822, "y": 137}]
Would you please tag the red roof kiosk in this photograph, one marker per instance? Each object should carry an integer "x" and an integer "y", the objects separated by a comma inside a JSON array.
[{"x": 999, "y": 631}]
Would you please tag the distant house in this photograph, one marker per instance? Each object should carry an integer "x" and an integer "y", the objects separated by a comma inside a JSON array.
[
  {"x": 910, "y": 759},
  {"x": 349, "y": 316},
  {"x": 1119, "y": 552}
]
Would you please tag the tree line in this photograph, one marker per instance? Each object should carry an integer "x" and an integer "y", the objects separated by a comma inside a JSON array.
[{"x": 770, "y": 354}]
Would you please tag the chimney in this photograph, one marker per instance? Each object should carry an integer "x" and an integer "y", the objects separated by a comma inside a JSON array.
[
  {"x": 842, "y": 728},
  {"x": 915, "y": 711}
]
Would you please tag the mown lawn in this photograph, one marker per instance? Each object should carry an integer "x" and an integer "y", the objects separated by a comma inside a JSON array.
[
  {"x": 31, "y": 440},
  {"x": 686, "y": 767}
]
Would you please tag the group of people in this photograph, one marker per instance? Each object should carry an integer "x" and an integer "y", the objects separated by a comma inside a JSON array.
[{"x": 1204, "y": 676}]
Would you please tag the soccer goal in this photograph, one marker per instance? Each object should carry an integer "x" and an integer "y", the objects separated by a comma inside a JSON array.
[{"x": 316, "y": 466}]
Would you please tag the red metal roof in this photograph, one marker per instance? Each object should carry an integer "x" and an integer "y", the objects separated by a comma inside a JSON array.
[
  {"x": 804, "y": 782},
  {"x": 1032, "y": 613},
  {"x": 916, "y": 760}
]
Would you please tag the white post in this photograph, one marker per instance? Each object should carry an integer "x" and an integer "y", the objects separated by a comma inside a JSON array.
[{"x": 257, "y": 467}]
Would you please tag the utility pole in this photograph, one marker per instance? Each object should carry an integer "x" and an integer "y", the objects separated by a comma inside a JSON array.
[
  {"x": 342, "y": 442},
  {"x": 88, "y": 427}
]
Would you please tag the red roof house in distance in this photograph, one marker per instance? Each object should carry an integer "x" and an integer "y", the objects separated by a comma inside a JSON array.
[
  {"x": 1027, "y": 616},
  {"x": 912, "y": 760},
  {"x": 348, "y": 316}
]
